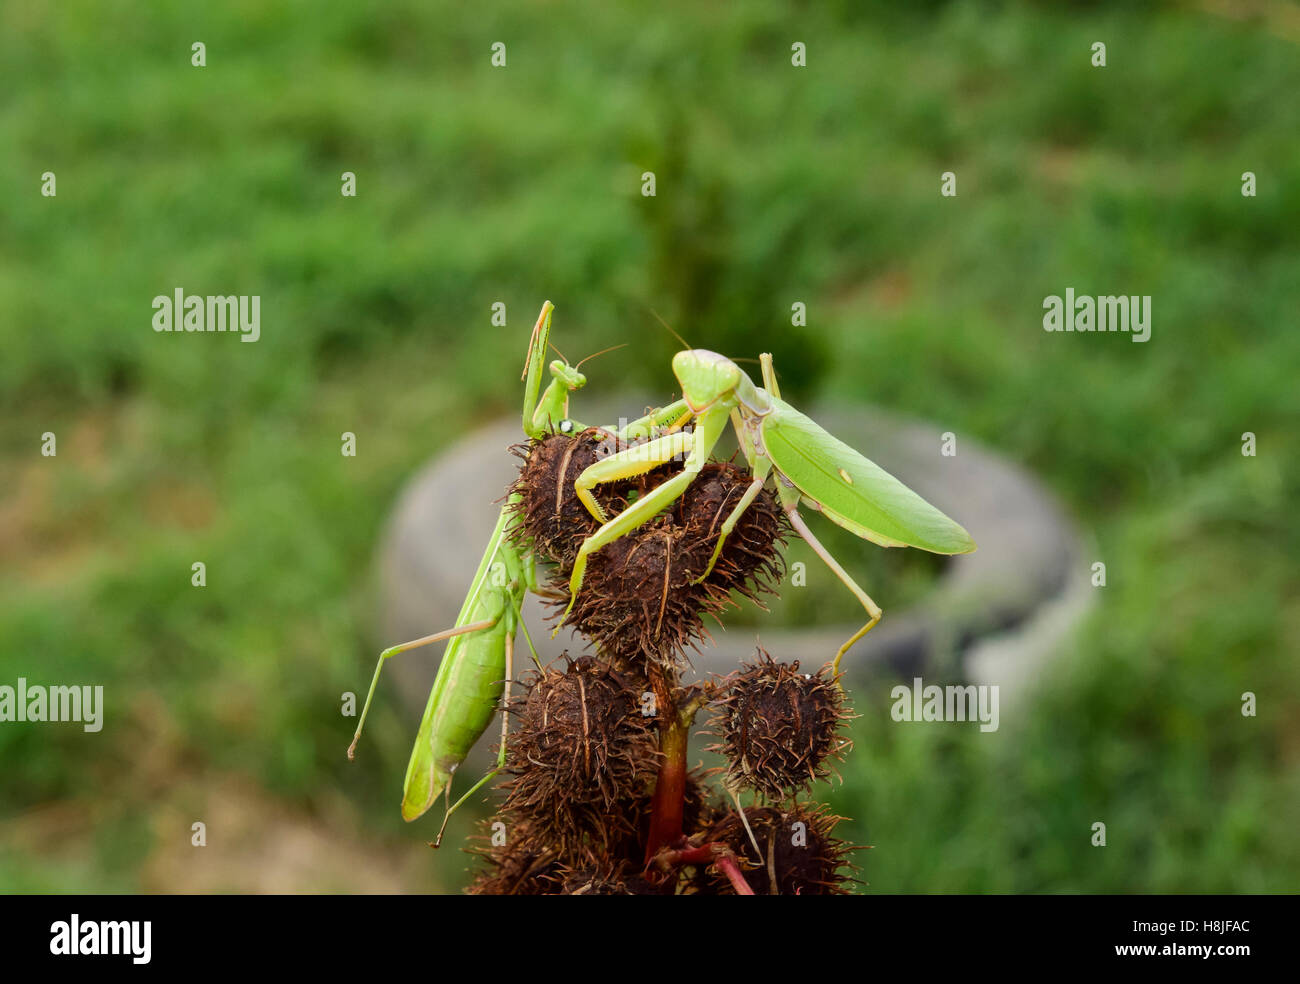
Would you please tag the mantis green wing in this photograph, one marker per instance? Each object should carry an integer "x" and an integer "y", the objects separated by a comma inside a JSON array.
[{"x": 854, "y": 491}]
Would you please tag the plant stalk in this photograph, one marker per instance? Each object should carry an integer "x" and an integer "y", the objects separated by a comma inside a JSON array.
[{"x": 669, "y": 799}]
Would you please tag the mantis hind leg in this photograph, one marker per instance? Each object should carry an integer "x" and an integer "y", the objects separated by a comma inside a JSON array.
[
  {"x": 529, "y": 573},
  {"x": 873, "y": 610},
  {"x": 501, "y": 755},
  {"x": 761, "y": 467},
  {"x": 392, "y": 651}
]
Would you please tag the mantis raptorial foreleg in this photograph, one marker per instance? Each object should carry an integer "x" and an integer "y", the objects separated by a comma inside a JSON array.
[
  {"x": 628, "y": 464},
  {"x": 622, "y": 524},
  {"x": 637, "y": 461}
]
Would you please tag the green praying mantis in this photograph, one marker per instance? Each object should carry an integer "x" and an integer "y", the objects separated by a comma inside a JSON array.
[
  {"x": 473, "y": 680},
  {"x": 810, "y": 465}
]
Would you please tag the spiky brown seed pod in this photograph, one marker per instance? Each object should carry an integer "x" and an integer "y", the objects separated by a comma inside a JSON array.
[
  {"x": 639, "y": 602},
  {"x": 549, "y": 513},
  {"x": 800, "y": 855},
  {"x": 582, "y": 750},
  {"x": 611, "y": 876},
  {"x": 747, "y": 556},
  {"x": 525, "y": 864},
  {"x": 607, "y": 880},
  {"x": 780, "y": 729}
]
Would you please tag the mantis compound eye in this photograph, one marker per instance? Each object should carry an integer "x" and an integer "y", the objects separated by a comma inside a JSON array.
[{"x": 566, "y": 426}]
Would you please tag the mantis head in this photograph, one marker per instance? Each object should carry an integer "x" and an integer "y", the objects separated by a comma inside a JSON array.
[
  {"x": 708, "y": 378},
  {"x": 705, "y": 377},
  {"x": 567, "y": 375}
]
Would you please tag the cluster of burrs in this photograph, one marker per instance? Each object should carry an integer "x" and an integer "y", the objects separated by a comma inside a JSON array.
[{"x": 598, "y": 798}]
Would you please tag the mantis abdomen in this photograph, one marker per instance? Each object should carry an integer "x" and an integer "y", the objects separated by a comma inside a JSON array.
[{"x": 468, "y": 688}]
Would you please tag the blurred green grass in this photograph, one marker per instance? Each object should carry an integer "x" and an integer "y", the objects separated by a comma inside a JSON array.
[{"x": 774, "y": 185}]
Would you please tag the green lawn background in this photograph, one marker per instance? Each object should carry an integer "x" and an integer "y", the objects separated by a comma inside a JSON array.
[{"x": 775, "y": 185}]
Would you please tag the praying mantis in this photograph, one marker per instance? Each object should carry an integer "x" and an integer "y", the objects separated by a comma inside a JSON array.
[
  {"x": 810, "y": 466},
  {"x": 473, "y": 680}
]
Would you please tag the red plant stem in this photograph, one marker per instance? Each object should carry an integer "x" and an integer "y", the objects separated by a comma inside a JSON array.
[
  {"x": 670, "y": 790},
  {"x": 717, "y": 854},
  {"x": 704, "y": 854},
  {"x": 727, "y": 865}
]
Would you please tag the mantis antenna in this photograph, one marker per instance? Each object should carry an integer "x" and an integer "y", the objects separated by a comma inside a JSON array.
[
  {"x": 685, "y": 343},
  {"x": 593, "y": 355}
]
